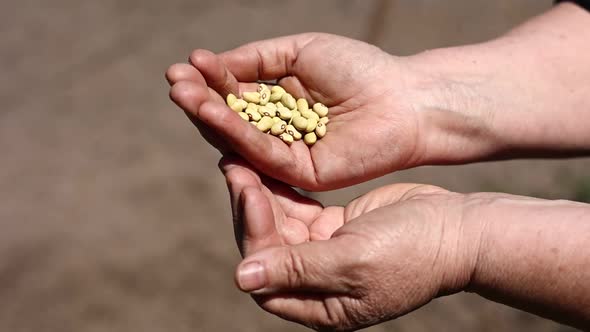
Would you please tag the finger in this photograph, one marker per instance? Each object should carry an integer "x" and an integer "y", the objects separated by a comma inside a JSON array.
[
  {"x": 289, "y": 200},
  {"x": 319, "y": 312},
  {"x": 259, "y": 222},
  {"x": 265, "y": 60},
  {"x": 184, "y": 72},
  {"x": 328, "y": 222},
  {"x": 190, "y": 96},
  {"x": 236, "y": 181},
  {"x": 312, "y": 266},
  {"x": 215, "y": 72},
  {"x": 266, "y": 153},
  {"x": 253, "y": 215}
]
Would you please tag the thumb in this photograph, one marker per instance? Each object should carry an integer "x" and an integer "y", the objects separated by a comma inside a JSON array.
[{"x": 323, "y": 266}]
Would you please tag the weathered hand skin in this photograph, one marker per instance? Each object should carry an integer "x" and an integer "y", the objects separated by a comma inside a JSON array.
[{"x": 342, "y": 268}]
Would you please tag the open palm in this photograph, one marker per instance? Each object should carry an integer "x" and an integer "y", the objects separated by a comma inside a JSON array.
[
  {"x": 373, "y": 128},
  {"x": 339, "y": 267}
]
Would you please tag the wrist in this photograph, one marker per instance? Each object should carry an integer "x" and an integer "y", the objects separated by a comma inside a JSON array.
[
  {"x": 453, "y": 107},
  {"x": 464, "y": 233},
  {"x": 521, "y": 95}
]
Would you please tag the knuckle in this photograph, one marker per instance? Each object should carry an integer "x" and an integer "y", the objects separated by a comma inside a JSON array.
[{"x": 295, "y": 267}]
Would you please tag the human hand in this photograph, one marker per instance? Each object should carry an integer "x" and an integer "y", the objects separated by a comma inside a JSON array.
[
  {"x": 514, "y": 96},
  {"x": 340, "y": 268},
  {"x": 374, "y": 107}
]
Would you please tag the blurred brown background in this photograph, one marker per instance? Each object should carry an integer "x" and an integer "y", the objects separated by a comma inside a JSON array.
[{"x": 113, "y": 214}]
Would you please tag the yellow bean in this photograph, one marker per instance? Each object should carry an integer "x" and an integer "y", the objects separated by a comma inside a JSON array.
[
  {"x": 320, "y": 130},
  {"x": 320, "y": 109},
  {"x": 311, "y": 125},
  {"x": 253, "y": 115},
  {"x": 244, "y": 116},
  {"x": 231, "y": 99},
  {"x": 289, "y": 101},
  {"x": 293, "y": 132},
  {"x": 300, "y": 123},
  {"x": 286, "y": 138},
  {"x": 265, "y": 124},
  {"x": 302, "y": 105},
  {"x": 278, "y": 128},
  {"x": 251, "y": 97},
  {"x": 310, "y": 139},
  {"x": 239, "y": 105}
]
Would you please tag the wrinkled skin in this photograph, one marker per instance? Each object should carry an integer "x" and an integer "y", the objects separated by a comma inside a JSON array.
[
  {"x": 374, "y": 127},
  {"x": 342, "y": 268}
]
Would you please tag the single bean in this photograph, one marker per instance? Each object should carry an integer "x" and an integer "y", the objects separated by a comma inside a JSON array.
[
  {"x": 251, "y": 97},
  {"x": 320, "y": 130},
  {"x": 278, "y": 128},
  {"x": 262, "y": 87},
  {"x": 276, "y": 96},
  {"x": 287, "y": 138},
  {"x": 264, "y": 97},
  {"x": 264, "y": 111},
  {"x": 302, "y": 105},
  {"x": 320, "y": 109},
  {"x": 277, "y": 88},
  {"x": 300, "y": 123},
  {"x": 311, "y": 125},
  {"x": 285, "y": 113},
  {"x": 310, "y": 115},
  {"x": 293, "y": 132},
  {"x": 238, "y": 105},
  {"x": 289, "y": 101},
  {"x": 310, "y": 139},
  {"x": 231, "y": 99},
  {"x": 253, "y": 115},
  {"x": 244, "y": 116},
  {"x": 265, "y": 124}
]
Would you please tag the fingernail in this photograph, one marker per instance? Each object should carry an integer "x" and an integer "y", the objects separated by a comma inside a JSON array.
[{"x": 251, "y": 277}]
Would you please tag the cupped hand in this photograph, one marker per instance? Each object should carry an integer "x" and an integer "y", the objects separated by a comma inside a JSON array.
[
  {"x": 341, "y": 268},
  {"x": 373, "y": 129}
]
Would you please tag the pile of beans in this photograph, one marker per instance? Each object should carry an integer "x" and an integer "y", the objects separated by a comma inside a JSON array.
[{"x": 274, "y": 111}]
